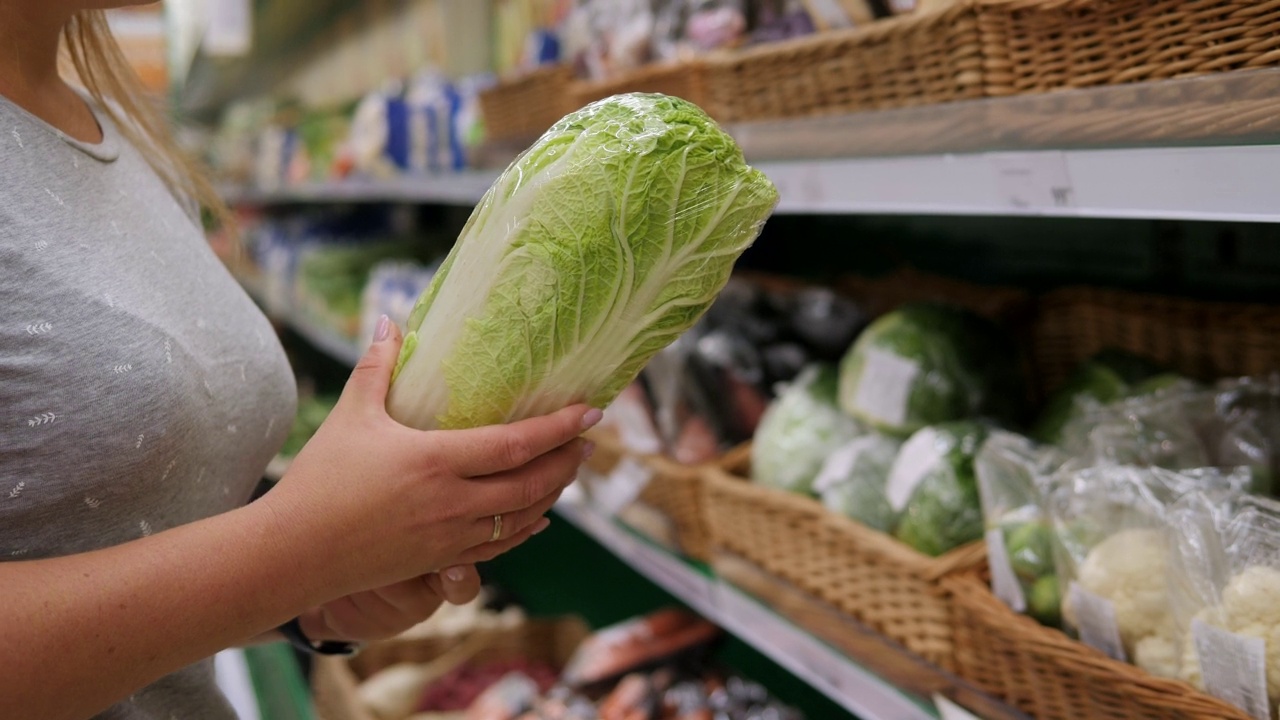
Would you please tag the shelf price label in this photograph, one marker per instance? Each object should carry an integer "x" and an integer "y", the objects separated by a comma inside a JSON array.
[{"x": 1030, "y": 181}]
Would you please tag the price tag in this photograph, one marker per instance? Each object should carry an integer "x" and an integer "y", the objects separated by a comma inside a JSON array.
[
  {"x": 1096, "y": 622},
  {"x": 1004, "y": 583},
  {"x": 1034, "y": 180},
  {"x": 1234, "y": 667},
  {"x": 840, "y": 463},
  {"x": 948, "y": 710},
  {"x": 885, "y": 386},
  {"x": 917, "y": 457},
  {"x": 623, "y": 485}
]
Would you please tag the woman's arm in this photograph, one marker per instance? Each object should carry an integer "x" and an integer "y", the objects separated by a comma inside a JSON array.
[{"x": 368, "y": 503}]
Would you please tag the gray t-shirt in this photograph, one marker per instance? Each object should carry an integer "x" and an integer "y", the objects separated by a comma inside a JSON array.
[{"x": 140, "y": 388}]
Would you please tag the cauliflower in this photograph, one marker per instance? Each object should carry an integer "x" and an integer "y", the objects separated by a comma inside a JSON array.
[
  {"x": 1250, "y": 607},
  {"x": 1128, "y": 569}
]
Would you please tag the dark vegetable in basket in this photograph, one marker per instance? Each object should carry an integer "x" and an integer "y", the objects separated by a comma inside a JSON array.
[{"x": 934, "y": 472}]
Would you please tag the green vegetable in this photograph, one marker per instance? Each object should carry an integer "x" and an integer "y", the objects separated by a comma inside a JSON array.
[
  {"x": 852, "y": 481},
  {"x": 1044, "y": 602},
  {"x": 1030, "y": 547},
  {"x": 927, "y": 364},
  {"x": 1103, "y": 378},
  {"x": 594, "y": 250},
  {"x": 943, "y": 511},
  {"x": 800, "y": 429}
]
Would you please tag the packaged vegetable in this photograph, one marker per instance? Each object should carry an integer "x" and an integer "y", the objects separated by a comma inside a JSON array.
[
  {"x": 1226, "y": 575},
  {"x": 799, "y": 430},
  {"x": 1013, "y": 475},
  {"x": 932, "y": 484},
  {"x": 597, "y": 248},
  {"x": 852, "y": 480},
  {"x": 1157, "y": 429},
  {"x": 1104, "y": 378},
  {"x": 1113, "y": 558},
  {"x": 927, "y": 364}
]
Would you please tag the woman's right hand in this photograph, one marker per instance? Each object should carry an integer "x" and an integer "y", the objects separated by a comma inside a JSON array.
[{"x": 386, "y": 503}]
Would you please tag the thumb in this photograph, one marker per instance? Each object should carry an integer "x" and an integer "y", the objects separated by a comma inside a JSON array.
[{"x": 371, "y": 377}]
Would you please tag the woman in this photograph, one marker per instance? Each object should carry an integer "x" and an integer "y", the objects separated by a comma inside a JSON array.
[{"x": 141, "y": 396}]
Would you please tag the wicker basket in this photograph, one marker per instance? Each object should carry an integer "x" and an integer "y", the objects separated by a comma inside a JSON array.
[
  {"x": 865, "y": 574},
  {"x": 335, "y": 680},
  {"x": 1011, "y": 307},
  {"x": 1052, "y": 677},
  {"x": 669, "y": 508},
  {"x": 916, "y": 59},
  {"x": 683, "y": 80},
  {"x": 1039, "y": 45},
  {"x": 522, "y": 108},
  {"x": 1204, "y": 340}
]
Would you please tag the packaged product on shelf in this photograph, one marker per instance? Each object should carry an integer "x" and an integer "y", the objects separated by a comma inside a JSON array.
[
  {"x": 710, "y": 388},
  {"x": 1154, "y": 429},
  {"x": 1226, "y": 579},
  {"x": 636, "y": 644},
  {"x": 564, "y": 284},
  {"x": 926, "y": 364},
  {"x": 932, "y": 485},
  {"x": 432, "y": 104},
  {"x": 778, "y": 20},
  {"x": 1246, "y": 428},
  {"x": 392, "y": 289},
  {"x": 853, "y": 480},
  {"x": 379, "y": 141},
  {"x": 1114, "y": 559},
  {"x": 1013, "y": 476},
  {"x": 798, "y": 432}
]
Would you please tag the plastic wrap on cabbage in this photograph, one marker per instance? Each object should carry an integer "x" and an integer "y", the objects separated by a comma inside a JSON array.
[
  {"x": 1158, "y": 429},
  {"x": 852, "y": 480},
  {"x": 1225, "y": 575},
  {"x": 927, "y": 364},
  {"x": 1013, "y": 475},
  {"x": 932, "y": 484},
  {"x": 1113, "y": 559},
  {"x": 1104, "y": 378},
  {"x": 594, "y": 250},
  {"x": 799, "y": 430}
]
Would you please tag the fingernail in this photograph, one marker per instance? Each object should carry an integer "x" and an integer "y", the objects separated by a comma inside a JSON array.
[
  {"x": 541, "y": 525},
  {"x": 587, "y": 449},
  {"x": 454, "y": 574},
  {"x": 383, "y": 329},
  {"x": 591, "y": 417}
]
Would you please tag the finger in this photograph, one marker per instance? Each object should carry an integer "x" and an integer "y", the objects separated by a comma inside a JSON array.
[
  {"x": 516, "y": 522},
  {"x": 371, "y": 377},
  {"x": 488, "y": 450},
  {"x": 313, "y": 625},
  {"x": 516, "y": 490},
  {"x": 413, "y": 598},
  {"x": 364, "y": 616},
  {"x": 460, "y": 584},
  {"x": 489, "y": 551}
]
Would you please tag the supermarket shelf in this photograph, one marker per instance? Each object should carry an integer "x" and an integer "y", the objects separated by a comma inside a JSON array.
[
  {"x": 846, "y": 683},
  {"x": 1227, "y": 183}
]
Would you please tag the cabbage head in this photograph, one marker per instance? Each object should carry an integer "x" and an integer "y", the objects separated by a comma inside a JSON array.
[
  {"x": 934, "y": 473},
  {"x": 802, "y": 426},
  {"x": 595, "y": 249},
  {"x": 927, "y": 364}
]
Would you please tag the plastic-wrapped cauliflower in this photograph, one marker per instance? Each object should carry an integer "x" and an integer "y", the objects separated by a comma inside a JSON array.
[
  {"x": 799, "y": 430},
  {"x": 852, "y": 481},
  {"x": 1129, "y": 569}
]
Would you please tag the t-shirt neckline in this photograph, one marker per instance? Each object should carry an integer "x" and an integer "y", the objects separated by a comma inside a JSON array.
[{"x": 106, "y": 150}]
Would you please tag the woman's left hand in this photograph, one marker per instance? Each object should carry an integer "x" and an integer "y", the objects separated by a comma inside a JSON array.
[{"x": 388, "y": 611}]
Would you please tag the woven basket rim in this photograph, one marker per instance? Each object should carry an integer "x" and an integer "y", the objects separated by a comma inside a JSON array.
[
  {"x": 972, "y": 595},
  {"x": 919, "y": 564}
]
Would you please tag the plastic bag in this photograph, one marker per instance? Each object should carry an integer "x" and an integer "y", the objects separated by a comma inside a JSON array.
[
  {"x": 1226, "y": 598},
  {"x": 852, "y": 481},
  {"x": 1158, "y": 430},
  {"x": 799, "y": 430},
  {"x": 1246, "y": 431},
  {"x": 932, "y": 484},
  {"x": 1113, "y": 558},
  {"x": 1013, "y": 476}
]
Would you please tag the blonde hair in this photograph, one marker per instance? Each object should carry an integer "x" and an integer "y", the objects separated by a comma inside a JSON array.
[{"x": 105, "y": 73}]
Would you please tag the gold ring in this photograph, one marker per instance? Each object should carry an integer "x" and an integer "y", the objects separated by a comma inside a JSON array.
[{"x": 497, "y": 528}]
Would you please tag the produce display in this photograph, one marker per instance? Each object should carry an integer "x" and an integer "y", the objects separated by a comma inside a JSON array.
[
  {"x": 653, "y": 667},
  {"x": 799, "y": 431},
  {"x": 596, "y": 249},
  {"x": 932, "y": 484}
]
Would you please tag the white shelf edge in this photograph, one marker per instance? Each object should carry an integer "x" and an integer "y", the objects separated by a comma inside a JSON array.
[
  {"x": 826, "y": 670},
  {"x": 1223, "y": 183}
]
